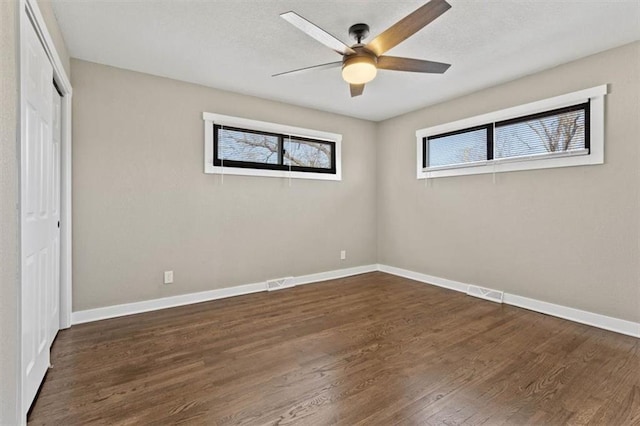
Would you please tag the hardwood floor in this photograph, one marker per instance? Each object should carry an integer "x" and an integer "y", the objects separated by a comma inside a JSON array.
[{"x": 373, "y": 349}]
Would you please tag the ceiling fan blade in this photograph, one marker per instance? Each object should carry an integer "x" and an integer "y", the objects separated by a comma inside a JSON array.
[
  {"x": 408, "y": 26},
  {"x": 356, "y": 89},
  {"x": 412, "y": 65},
  {"x": 316, "y": 32},
  {"x": 313, "y": 67}
]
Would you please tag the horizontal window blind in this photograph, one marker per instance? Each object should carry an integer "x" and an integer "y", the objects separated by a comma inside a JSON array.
[
  {"x": 550, "y": 133},
  {"x": 547, "y": 134},
  {"x": 462, "y": 147}
]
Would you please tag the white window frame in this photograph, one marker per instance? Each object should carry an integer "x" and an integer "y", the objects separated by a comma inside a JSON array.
[
  {"x": 592, "y": 156},
  {"x": 211, "y": 119}
]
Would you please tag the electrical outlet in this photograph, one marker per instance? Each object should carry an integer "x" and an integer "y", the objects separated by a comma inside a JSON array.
[
  {"x": 343, "y": 254},
  {"x": 168, "y": 277}
]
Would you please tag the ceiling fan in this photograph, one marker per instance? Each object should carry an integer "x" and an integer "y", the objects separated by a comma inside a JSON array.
[{"x": 361, "y": 62}]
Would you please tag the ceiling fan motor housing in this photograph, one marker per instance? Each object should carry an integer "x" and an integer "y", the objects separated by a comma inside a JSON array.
[{"x": 362, "y": 55}]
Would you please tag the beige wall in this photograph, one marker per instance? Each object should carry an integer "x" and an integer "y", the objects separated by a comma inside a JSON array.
[
  {"x": 54, "y": 30},
  {"x": 568, "y": 236},
  {"x": 142, "y": 204},
  {"x": 8, "y": 214}
]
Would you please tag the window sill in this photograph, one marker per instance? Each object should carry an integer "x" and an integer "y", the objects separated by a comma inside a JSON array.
[
  {"x": 531, "y": 162},
  {"x": 239, "y": 171}
]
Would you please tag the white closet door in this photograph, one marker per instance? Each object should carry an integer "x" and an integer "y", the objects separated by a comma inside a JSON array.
[{"x": 37, "y": 203}]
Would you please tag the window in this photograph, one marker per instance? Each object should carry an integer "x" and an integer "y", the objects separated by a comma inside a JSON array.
[
  {"x": 248, "y": 147},
  {"x": 235, "y": 147},
  {"x": 459, "y": 147},
  {"x": 549, "y": 133}
]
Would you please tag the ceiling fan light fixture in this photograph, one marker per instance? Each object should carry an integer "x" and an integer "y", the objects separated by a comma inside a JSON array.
[{"x": 359, "y": 69}]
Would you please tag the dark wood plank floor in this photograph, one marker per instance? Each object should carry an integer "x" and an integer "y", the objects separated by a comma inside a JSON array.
[{"x": 373, "y": 349}]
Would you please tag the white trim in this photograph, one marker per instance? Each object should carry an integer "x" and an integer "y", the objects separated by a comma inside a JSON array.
[
  {"x": 333, "y": 275},
  {"x": 208, "y": 147},
  {"x": 541, "y": 156},
  {"x": 457, "y": 166},
  {"x": 517, "y": 111},
  {"x": 496, "y": 161},
  {"x": 225, "y": 120},
  {"x": 115, "y": 311},
  {"x": 66, "y": 215},
  {"x": 98, "y": 314},
  {"x": 584, "y": 317},
  {"x": 45, "y": 37},
  {"x": 605, "y": 322},
  {"x": 424, "y": 278},
  {"x": 577, "y": 315},
  {"x": 239, "y": 171},
  {"x": 596, "y": 156},
  {"x": 23, "y": 20}
]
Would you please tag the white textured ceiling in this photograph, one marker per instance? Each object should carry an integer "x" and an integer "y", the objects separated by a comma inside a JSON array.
[{"x": 237, "y": 45}]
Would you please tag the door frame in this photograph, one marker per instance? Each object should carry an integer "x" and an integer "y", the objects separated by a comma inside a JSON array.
[{"x": 29, "y": 14}]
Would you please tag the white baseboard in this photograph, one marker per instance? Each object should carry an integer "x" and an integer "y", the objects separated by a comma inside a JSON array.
[
  {"x": 618, "y": 325},
  {"x": 596, "y": 320},
  {"x": 424, "y": 278},
  {"x": 332, "y": 275},
  {"x": 114, "y": 311},
  {"x": 584, "y": 317}
]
